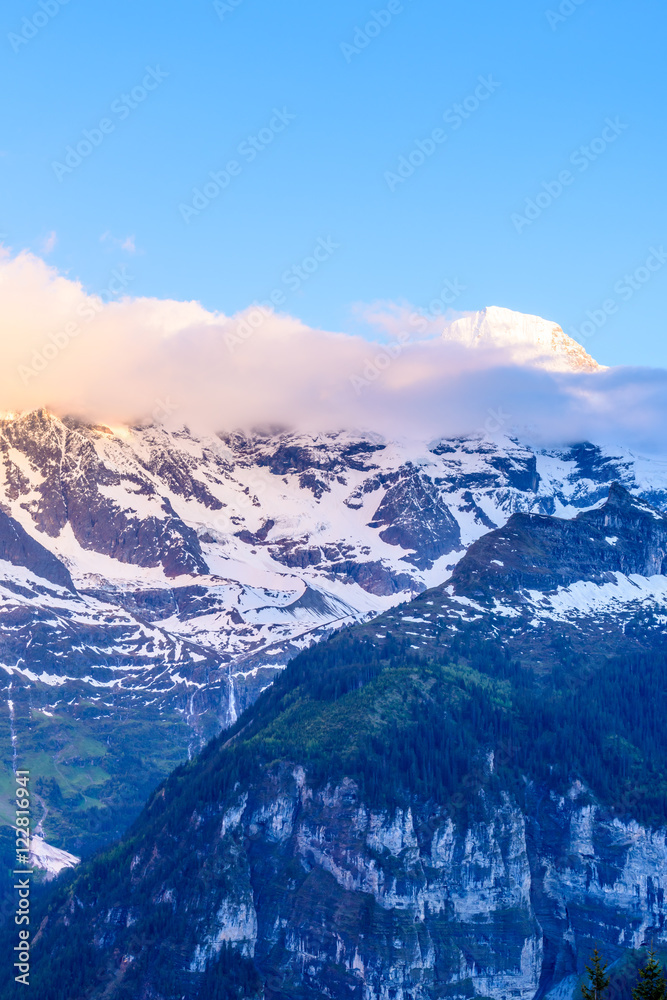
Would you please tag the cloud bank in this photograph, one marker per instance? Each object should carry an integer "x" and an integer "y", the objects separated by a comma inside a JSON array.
[{"x": 114, "y": 359}]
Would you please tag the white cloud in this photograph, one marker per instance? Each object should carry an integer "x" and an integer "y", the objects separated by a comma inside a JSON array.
[
  {"x": 49, "y": 242},
  {"x": 128, "y": 243},
  {"x": 120, "y": 361}
]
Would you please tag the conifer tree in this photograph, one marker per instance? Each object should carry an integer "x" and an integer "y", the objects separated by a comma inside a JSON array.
[
  {"x": 651, "y": 982},
  {"x": 597, "y": 979}
]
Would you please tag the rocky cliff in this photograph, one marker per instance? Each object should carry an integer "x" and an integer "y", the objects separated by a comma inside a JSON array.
[{"x": 333, "y": 898}]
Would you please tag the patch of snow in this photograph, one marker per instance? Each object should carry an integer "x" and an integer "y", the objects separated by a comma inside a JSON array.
[{"x": 50, "y": 859}]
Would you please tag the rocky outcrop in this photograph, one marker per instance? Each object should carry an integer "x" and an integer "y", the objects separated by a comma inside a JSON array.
[
  {"x": 19, "y": 549},
  {"x": 415, "y": 517},
  {"x": 533, "y": 552},
  {"x": 76, "y": 488},
  {"x": 552, "y": 589},
  {"x": 418, "y": 906},
  {"x": 331, "y": 897}
]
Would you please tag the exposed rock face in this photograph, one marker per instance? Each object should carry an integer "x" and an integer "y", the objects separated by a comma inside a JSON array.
[
  {"x": 534, "y": 552},
  {"x": 377, "y": 904},
  {"x": 19, "y": 549},
  {"x": 332, "y": 898},
  {"x": 78, "y": 489},
  {"x": 415, "y": 518},
  {"x": 593, "y": 586}
]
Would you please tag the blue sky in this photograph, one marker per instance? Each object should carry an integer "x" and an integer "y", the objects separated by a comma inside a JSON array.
[{"x": 335, "y": 124}]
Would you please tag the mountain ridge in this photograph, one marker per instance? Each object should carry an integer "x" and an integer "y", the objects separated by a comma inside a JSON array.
[
  {"x": 278, "y": 539},
  {"x": 388, "y": 819}
]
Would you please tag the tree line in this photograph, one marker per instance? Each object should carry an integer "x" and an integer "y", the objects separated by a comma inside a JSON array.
[{"x": 649, "y": 985}]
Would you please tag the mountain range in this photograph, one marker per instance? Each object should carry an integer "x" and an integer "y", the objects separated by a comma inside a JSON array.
[
  {"x": 457, "y": 799},
  {"x": 417, "y": 687},
  {"x": 155, "y": 582}
]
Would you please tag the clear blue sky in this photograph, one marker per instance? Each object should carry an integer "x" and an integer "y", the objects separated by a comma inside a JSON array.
[{"x": 324, "y": 175}]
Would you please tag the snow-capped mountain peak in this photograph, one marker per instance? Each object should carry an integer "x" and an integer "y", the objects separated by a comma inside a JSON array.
[{"x": 528, "y": 338}]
